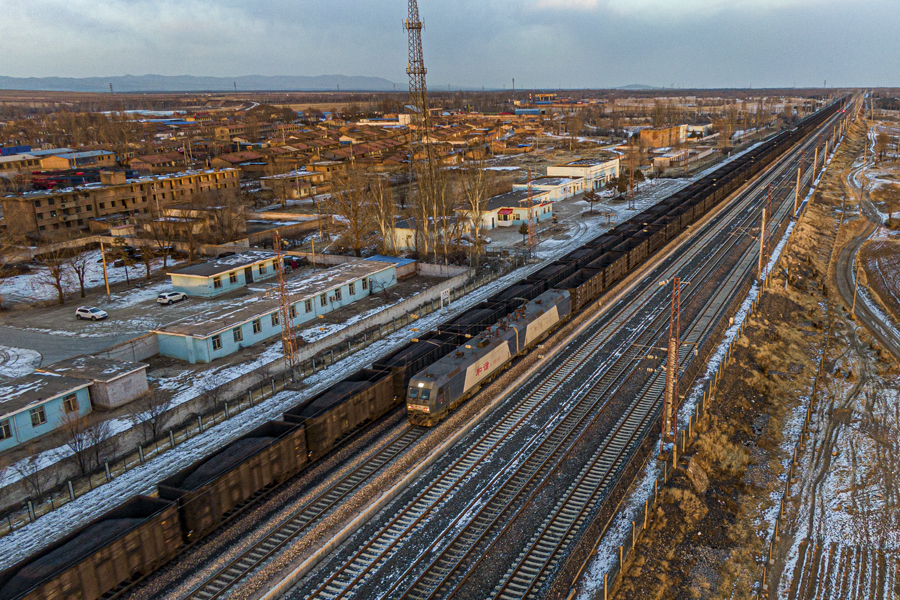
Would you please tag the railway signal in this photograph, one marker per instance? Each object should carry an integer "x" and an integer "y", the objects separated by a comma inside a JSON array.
[{"x": 670, "y": 400}]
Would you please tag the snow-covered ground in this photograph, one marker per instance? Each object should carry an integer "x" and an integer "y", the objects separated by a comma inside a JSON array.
[
  {"x": 18, "y": 362},
  {"x": 36, "y": 285}
]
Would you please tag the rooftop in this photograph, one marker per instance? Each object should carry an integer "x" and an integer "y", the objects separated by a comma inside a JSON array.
[
  {"x": 132, "y": 181},
  {"x": 25, "y": 392},
  {"x": 514, "y": 199},
  {"x": 554, "y": 181},
  {"x": 252, "y": 307},
  {"x": 93, "y": 368},
  {"x": 226, "y": 264},
  {"x": 591, "y": 162}
]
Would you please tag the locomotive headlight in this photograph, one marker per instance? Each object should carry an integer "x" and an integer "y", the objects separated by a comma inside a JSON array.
[{"x": 421, "y": 385}]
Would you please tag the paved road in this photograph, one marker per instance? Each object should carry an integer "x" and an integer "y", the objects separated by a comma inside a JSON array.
[{"x": 54, "y": 347}]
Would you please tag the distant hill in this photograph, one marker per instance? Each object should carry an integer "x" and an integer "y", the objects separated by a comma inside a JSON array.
[
  {"x": 637, "y": 87},
  {"x": 190, "y": 83}
]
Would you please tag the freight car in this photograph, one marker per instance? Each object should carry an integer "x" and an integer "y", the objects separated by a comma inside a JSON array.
[
  {"x": 334, "y": 413},
  {"x": 124, "y": 544},
  {"x": 211, "y": 489},
  {"x": 442, "y": 386},
  {"x": 92, "y": 562}
]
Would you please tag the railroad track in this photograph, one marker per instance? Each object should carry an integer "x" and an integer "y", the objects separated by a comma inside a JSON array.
[
  {"x": 561, "y": 528},
  {"x": 303, "y": 519},
  {"x": 380, "y": 547}
]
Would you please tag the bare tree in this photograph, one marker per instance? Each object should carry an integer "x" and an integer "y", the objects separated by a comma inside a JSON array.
[
  {"x": 475, "y": 187},
  {"x": 54, "y": 272},
  {"x": 80, "y": 265},
  {"x": 152, "y": 413},
  {"x": 37, "y": 479},
  {"x": 384, "y": 212},
  {"x": 102, "y": 441},
  {"x": 147, "y": 256},
  {"x": 888, "y": 195},
  {"x": 75, "y": 427},
  {"x": 162, "y": 231},
  {"x": 352, "y": 209}
]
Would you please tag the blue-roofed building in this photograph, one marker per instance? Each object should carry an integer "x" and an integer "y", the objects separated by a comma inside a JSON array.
[
  {"x": 38, "y": 404},
  {"x": 406, "y": 267}
]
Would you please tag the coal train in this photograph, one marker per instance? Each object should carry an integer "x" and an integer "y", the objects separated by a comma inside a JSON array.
[{"x": 432, "y": 374}]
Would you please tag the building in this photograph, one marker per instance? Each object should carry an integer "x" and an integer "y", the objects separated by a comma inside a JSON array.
[
  {"x": 596, "y": 172},
  {"x": 223, "y": 275},
  {"x": 19, "y": 163},
  {"x": 93, "y": 159},
  {"x": 296, "y": 184},
  {"x": 511, "y": 209},
  {"x": 245, "y": 321},
  {"x": 664, "y": 137},
  {"x": 41, "y": 213},
  {"x": 112, "y": 383},
  {"x": 557, "y": 188},
  {"x": 38, "y": 404}
]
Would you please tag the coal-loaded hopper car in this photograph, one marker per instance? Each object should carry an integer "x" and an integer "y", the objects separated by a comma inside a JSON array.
[
  {"x": 444, "y": 385},
  {"x": 209, "y": 490},
  {"x": 332, "y": 414},
  {"x": 117, "y": 548}
]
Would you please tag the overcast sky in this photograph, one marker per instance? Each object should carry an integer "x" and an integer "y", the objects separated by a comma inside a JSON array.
[{"x": 541, "y": 43}]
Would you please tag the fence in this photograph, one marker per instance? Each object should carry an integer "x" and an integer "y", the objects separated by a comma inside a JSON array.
[{"x": 60, "y": 495}]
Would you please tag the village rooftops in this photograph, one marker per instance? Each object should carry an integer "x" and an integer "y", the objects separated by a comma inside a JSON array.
[
  {"x": 93, "y": 368},
  {"x": 242, "y": 310},
  {"x": 226, "y": 264},
  {"x": 515, "y": 199},
  {"x": 25, "y": 392}
]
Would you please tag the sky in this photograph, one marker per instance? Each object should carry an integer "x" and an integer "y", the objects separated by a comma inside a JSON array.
[{"x": 467, "y": 43}]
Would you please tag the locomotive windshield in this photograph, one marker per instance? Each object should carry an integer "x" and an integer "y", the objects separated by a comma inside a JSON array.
[
  {"x": 426, "y": 393},
  {"x": 413, "y": 392}
]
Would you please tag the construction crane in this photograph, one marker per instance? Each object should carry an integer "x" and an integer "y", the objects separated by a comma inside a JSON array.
[{"x": 284, "y": 303}]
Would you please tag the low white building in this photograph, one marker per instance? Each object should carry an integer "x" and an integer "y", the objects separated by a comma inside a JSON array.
[
  {"x": 556, "y": 188},
  {"x": 113, "y": 383},
  {"x": 596, "y": 172}
]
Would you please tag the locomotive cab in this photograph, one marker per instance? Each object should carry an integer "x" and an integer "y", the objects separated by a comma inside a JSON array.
[{"x": 423, "y": 400}]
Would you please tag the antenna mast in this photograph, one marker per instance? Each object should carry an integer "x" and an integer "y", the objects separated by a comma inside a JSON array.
[{"x": 418, "y": 92}]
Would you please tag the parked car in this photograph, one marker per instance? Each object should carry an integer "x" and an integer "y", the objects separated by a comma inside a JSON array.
[
  {"x": 90, "y": 312},
  {"x": 171, "y": 297}
]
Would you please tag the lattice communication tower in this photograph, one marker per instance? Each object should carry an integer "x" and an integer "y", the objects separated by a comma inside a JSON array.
[{"x": 284, "y": 303}]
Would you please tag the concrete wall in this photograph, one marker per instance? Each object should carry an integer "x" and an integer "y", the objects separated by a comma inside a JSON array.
[
  {"x": 136, "y": 349},
  {"x": 23, "y": 431},
  {"x": 430, "y": 270},
  {"x": 119, "y": 392}
]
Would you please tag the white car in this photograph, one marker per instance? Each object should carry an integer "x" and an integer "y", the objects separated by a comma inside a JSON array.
[
  {"x": 89, "y": 312},
  {"x": 171, "y": 297}
]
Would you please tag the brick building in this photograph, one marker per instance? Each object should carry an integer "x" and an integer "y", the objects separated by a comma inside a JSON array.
[
  {"x": 664, "y": 137},
  {"x": 38, "y": 214}
]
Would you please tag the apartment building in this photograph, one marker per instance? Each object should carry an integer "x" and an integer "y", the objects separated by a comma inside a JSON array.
[{"x": 37, "y": 214}]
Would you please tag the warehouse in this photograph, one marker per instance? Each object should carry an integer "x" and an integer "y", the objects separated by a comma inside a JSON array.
[{"x": 251, "y": 319}]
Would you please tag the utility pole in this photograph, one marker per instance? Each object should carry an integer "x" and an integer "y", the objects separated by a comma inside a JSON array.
[
  {"x": 797, "y": 190},
  {"x": 105, "y": 276},
  {"x": 855, "y": 290},
  {"x": 670, "y": 402},
  {"x": 762, "y": 245},
  {"x": 284, "y": 304}
]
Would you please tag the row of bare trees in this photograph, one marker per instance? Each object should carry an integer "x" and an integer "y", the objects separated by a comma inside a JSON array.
[{"x": 366, "y": 211}]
